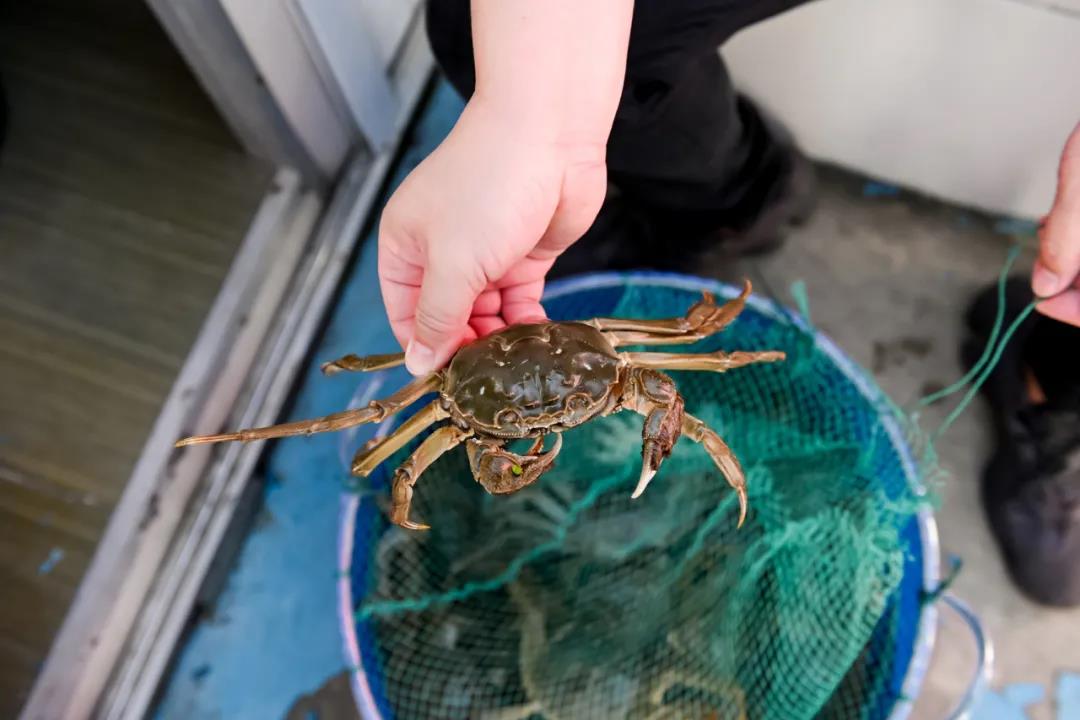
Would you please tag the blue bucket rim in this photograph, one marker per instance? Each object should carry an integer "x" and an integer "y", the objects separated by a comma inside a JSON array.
[{"x": 926, "y": 633}]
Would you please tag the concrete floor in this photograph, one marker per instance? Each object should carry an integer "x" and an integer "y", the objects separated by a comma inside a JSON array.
[{"x": 889, "y": 276}]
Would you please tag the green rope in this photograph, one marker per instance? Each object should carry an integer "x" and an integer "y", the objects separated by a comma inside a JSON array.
[
  {"x": 970, "y": 396},
  {"x": 983, "y": 369},
  {"x": 932, "y": 596},
  {"x": 999, "y": 322},
  {"x": 802, "y": 300}
]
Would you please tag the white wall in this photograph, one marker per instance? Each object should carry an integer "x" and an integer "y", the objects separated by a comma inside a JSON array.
[{"x": 968, "y": 100}]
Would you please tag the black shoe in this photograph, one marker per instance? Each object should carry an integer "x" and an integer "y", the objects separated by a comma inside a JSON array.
[{"x": 1031, "y": 486}]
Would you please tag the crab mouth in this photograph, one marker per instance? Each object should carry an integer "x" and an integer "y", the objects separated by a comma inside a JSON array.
[
  {"x": 501, "y": 471},
  {"x": 535, "y": 455}
]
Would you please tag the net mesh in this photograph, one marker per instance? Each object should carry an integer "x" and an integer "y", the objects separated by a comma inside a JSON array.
[{"x": 569, "y": 600}]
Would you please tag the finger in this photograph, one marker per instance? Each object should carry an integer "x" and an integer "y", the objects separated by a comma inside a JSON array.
[
  {"x": 522, "y": 289},
  {"x": 521, "y": 303},
  {"x": 484, "y": 325},
  {"x": 469, "y": 335},
  {"x": 1059, "y": 251},
  {"x": 399, "y": 281},
  {"x": 447, "y": 292},
  {"x": 488, "y": 303},
  {"x": 1064, "y": 307}
]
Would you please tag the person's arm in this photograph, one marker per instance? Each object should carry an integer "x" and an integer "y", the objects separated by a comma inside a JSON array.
[
  {"x": 1058, "y": 268},
  {"x": 465, "y": 242}
]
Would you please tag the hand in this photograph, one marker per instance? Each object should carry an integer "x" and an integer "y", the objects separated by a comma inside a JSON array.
[
  {"x": 465, "y": 242},
  {"x": 1058, "y": 267}
]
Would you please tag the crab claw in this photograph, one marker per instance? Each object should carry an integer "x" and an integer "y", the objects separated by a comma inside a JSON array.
[
  {"x": 410, "y": 525},
  {"x": 501, "y": 471},
  {"x": 647, "y": 474},
  {"x": 652, "y": 454}
]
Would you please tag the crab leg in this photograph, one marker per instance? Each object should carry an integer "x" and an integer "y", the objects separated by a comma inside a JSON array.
[
  {"x": 654, "y": 395},
  {"x": 376, "y": 411},
  {"x": 721, "y": 454},
  {"x": 704, "y": 318},
  {"x": 623, "y": 338},
  {"x": 715, "y": 362},
  {"x": 377, "y": 450},
  {"x": 366, "y": 363},
  {"x": 442, "y": 440}
]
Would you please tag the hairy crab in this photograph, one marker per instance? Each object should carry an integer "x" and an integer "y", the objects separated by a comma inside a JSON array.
[{"x": 529, "y": 381}]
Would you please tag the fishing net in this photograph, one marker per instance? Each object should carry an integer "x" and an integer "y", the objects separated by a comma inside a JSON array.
[{"x": 569, "y": 600}]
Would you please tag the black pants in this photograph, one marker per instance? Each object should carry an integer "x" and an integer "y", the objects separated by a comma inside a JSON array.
[
  {"x": 683, "y": 140},
  {"x": 3, "y": 113}
]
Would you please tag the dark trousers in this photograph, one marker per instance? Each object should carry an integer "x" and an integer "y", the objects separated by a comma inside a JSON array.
[{"x": 683, "y": 141}]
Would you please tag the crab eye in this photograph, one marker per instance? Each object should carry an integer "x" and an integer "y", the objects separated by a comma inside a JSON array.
[{"x": 516, "y": 469}]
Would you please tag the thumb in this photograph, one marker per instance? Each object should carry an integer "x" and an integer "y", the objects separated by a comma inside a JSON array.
[
  {"x": 447, "y": 294},
  {"x": 1059, "y": 252}
]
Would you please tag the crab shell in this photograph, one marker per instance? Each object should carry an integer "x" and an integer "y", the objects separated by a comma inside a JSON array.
[{"x": 529, "y": 380}]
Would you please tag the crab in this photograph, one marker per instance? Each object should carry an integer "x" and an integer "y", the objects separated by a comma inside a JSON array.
[{"x": 530, "y": 381}]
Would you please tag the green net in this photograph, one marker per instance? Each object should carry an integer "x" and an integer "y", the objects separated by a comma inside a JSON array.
[{"x": 569, "y": 600}]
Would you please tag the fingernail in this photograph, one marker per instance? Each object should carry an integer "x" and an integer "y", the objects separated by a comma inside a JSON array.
[
  {"x": 1045, "y": 283},
  {"x": 419, "y": 358}
]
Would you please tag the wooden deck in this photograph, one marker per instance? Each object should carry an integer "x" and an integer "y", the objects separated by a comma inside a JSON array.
[{"x": 122, "y": 200}]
